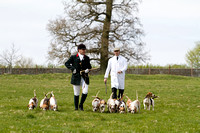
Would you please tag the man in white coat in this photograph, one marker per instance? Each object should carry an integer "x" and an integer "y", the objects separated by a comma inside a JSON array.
[{"x": 117, "y": 65}]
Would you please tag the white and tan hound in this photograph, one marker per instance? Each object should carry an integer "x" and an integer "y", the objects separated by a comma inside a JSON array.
[
  {"x": 33, "y": 102},
  {"x": 111, "y": 104},
  {"x": 45, "y": 103},
  {"x": 53, "y": 102},
  {"x": 98, "y": 103},
  {"x": 149, "y": 101},
  {"x": 133, "y": 107}
]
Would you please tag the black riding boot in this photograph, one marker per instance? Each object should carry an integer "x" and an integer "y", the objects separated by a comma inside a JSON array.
[
  {"x": 114, "y": 90},
  {"x": 83, "y": 97},
  {"x": 76, "y": 100},
  {"x": 121, "y": 92}
]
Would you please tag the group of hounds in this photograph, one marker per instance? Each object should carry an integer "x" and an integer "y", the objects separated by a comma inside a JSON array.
[
  {"x": 120, "y": 106},
  {"x": 45, "y": 104},
  {"x": 98, "y": 104}
]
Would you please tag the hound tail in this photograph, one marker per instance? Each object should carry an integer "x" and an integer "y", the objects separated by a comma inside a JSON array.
[
  {"x": 34, "y": 93},
  {"x": 46, "y": 94},
  {"x": 96, "y": 95},
  {"x": 111, "y": 95},
  {"x": 136, "y": 95},
  {"x": 126, "y": 96},
  {"x": 52, "y": 94}
]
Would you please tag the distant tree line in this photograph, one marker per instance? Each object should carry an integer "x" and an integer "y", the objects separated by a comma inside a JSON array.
[{"x": 11, "y": 58}]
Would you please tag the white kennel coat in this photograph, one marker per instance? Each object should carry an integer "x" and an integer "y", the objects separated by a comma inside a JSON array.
[{"x": 114, "y": 65}]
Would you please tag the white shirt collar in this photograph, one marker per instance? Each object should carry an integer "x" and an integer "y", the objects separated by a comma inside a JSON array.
[{"x": 80, "y": 56}]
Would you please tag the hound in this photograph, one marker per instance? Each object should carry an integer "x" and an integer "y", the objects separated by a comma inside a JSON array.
[
  {"x": 53, "y": 102},
  {"x": 149, "y": 100},
  {"x": 117, "y": 104},
  {"x": 111, "y": 104},
  {"x": 128, "y": 104},
  {"x": 122, "y": 106},
  {"x": 98, "y": 104},
  {"x": 33, "y": 102},
  {"x": 44, "y": 104},
  {"x": 134, "y": 106},
  {"x": 102, "y": 105}
]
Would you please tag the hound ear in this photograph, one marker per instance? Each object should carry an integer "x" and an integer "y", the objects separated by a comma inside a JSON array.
[
  {"x": 105, "y": 102},
  {"x": 149, "y": 94},
  {"x": 28, "y": 105}
]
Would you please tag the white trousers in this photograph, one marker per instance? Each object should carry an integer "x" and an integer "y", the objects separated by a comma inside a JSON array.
[{"x": 77, "y": 88}]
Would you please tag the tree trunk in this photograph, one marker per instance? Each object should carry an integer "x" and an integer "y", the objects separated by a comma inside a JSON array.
[{"x": 105, "y": 37}]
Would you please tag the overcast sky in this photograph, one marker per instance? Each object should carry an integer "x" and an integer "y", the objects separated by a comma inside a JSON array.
[{"x": 172, "y": 27}]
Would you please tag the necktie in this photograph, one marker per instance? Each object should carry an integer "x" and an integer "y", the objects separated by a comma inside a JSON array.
[{"x": 117, "y": 57}]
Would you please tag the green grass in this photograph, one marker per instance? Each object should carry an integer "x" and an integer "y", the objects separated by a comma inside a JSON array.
[{"x": 177, "y": 109}]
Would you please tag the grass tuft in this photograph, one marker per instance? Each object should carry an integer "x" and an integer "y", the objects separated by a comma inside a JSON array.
[{"x": 30, "y": 116}]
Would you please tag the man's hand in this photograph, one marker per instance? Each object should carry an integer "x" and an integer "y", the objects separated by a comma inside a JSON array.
[
  {"x": 87, "y": 71},
  {"x": 119, "y": 72},
  {"x": 74, "y": 71},
  {"x": 105, "y": 80}
]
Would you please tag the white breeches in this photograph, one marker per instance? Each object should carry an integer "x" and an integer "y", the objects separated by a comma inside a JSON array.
[{"x": 77, "y": 88}]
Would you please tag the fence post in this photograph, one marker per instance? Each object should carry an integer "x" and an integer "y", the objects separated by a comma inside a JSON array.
[
  {"x": 53, "y": 71},
  {"x": 36, "y": 71},
  {"x": 3, "y": 70},
  {"x": 149, "y": 70},
  {"x": 191, "y": 70},
  {"x": 169, "y": 69}
]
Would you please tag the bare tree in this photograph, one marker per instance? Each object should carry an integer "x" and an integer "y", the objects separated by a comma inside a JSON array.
[
  {"x": 101, "y": 25},
  {"x": 25, "y": 62},
  {"x": 9, "y": 57}
]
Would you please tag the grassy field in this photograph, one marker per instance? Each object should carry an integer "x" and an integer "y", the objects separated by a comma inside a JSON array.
[{"x": 177, "y": 109}]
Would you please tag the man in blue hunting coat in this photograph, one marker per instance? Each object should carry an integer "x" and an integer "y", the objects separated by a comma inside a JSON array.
[{"x": 77, "y": 63}]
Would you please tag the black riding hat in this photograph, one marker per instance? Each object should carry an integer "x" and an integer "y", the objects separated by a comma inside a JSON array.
[{"x": 81, "y": 46}]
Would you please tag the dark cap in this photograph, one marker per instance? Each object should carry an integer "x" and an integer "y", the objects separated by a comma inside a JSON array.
[{"x": 81, "y": 46}]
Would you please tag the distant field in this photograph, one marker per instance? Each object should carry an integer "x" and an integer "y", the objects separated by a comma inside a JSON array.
[{"x": 177, "y": 109}]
